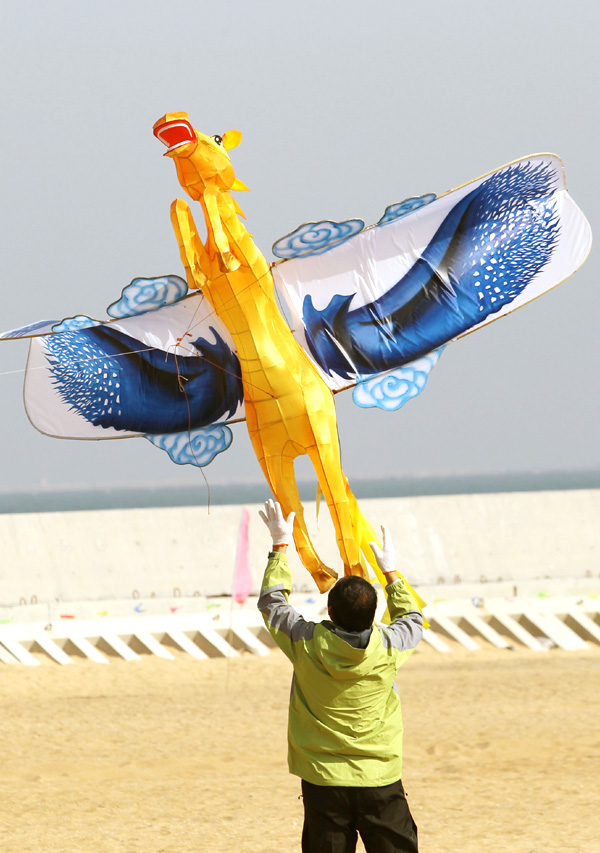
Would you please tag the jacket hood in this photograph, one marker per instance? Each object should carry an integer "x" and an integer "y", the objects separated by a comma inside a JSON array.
[{"x": 348, "y": 654}]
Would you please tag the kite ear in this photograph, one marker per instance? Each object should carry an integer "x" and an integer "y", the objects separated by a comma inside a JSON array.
[
  {"x": 238, "y": 185},
  {"x": 231, "y": 139}
]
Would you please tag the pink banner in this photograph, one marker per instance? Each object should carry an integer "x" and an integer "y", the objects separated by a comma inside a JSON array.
[{"x": 242, "y": 580}]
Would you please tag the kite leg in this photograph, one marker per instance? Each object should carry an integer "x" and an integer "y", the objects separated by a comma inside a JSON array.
[
  {"x": 323, "y": 576},
  {"x": 191, "y": 249},
  {"x": 364, "y": 532},
  {"x": 279, "y": 472},
  {"x": 227, "y": 260},
  {"x": 334, "y": 486},
  {"x": 365, "y": 535}
]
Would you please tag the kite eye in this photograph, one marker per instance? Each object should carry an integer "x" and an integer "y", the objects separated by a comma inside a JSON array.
[{"x": 218, "y": 139}]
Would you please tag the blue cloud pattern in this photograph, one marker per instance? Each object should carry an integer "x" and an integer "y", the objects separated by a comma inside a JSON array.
[
  {"x": 392, "y": 390},
  {"x": 73, "y": 324},
  {"x": 403, "y": 208},
  {"x": 315, "y": 238},
  {"x": 147, "y": 294},
  {"x": 198, "y": 447}
]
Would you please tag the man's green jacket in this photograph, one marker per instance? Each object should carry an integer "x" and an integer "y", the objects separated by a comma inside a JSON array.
[{"x": 345, "y": 720}]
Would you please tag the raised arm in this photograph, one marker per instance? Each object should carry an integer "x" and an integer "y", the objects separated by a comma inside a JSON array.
[
  {"x": 283, "y": 623},
  {"x": 406, "y": 620}
]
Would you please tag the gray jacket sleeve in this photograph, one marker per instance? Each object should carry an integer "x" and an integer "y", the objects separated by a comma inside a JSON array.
[
  {"x": 406, "y": 627},
  {"x": 283, "y": 622}
]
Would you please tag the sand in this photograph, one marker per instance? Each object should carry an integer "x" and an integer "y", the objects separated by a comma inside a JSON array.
[{"x": 501, "y": 754}]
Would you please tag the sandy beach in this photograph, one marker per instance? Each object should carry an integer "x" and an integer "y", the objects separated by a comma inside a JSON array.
[{"x": 501, "y": 754}]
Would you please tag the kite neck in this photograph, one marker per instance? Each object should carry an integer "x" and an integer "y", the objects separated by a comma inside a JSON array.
[{"x": 226, "y": 233}]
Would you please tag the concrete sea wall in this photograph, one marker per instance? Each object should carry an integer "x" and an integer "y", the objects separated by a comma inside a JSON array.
[{"x": 441, "y": 541}]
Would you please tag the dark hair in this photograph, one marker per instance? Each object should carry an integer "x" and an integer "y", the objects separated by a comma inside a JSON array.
[{"x": 353, "y": 602}]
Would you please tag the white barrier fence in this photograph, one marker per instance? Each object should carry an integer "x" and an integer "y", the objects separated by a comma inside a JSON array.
[{"x": 222, "y": 629}]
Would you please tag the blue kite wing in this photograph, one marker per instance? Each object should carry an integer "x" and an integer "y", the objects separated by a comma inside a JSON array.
[
  {"x": 434, "y": 269},
  {"x": 166, "y": 372}
]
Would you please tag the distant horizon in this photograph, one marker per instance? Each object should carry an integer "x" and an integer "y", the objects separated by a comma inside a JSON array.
[{"x": 138, "y": 496}]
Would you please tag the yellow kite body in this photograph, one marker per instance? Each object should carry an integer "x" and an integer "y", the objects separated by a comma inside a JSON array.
[{"x": 289, "y": 409}]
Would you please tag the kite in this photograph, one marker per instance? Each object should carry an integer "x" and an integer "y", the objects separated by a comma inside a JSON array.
[{"x": 371, "y": 308}]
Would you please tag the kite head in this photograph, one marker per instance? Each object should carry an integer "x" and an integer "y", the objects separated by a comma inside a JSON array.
[{"x": 202, "y": 161}]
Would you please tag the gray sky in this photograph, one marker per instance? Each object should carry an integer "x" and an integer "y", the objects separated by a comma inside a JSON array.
[{"x": 345, "y": 107}]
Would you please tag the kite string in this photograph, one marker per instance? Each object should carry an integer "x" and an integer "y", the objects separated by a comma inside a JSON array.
[
  {"x": 86, "y": 359},
  {"x": 177, "y": 343},
  {"x": 180, "y": 380},
  {"x": 193, "y": 323},
  {"x": 213, "y": 313},
  {"x": 181, "y": 387},
  {"x": 191, "y": 326}
]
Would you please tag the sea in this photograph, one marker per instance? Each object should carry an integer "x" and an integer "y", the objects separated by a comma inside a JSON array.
[{"x": 173, "y": 495}]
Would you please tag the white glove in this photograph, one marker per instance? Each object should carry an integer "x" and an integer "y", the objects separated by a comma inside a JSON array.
[
  {"x": 385, "y": 557},
  {"x": 280, "y": 528}
]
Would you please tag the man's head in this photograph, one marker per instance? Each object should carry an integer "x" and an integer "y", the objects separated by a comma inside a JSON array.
[{"x": 352, "y": 602}]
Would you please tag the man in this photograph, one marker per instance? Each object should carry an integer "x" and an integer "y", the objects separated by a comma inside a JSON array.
[{"x": 345, "y": 721}]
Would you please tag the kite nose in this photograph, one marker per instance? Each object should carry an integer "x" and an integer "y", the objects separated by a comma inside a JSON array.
[{"x": 175, "y": 133}]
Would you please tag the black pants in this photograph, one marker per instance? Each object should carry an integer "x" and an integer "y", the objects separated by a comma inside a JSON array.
[{"x": 334, "y": 815}]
